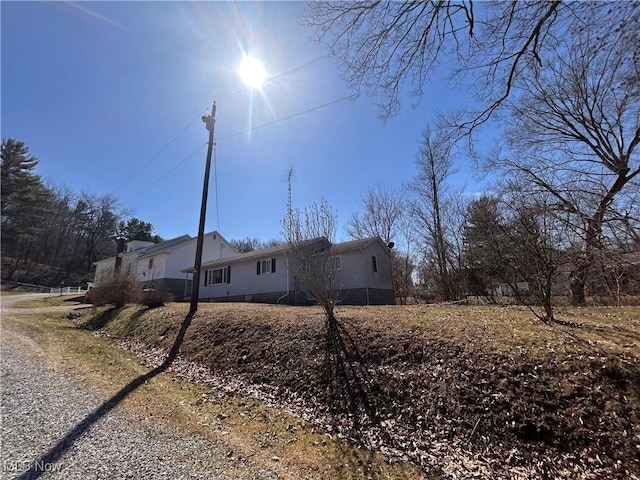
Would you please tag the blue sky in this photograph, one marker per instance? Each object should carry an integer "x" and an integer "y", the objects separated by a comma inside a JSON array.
[{"x": 109, "y": 95}]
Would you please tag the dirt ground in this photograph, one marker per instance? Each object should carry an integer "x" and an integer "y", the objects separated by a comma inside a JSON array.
[{"x": 463, "y": 391}]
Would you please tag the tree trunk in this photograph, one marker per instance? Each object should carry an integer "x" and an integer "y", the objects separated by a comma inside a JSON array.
[
  {"x": 577, "y": 284},
  {"x": 13, "y": 266},
  {"x": 547, "y": 298}
]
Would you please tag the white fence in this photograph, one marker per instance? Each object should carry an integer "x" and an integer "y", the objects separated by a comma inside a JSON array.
[{"x": 67, "y": 291}]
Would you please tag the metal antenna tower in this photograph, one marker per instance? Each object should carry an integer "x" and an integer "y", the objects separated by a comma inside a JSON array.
[{"x": 290, "y": 174}]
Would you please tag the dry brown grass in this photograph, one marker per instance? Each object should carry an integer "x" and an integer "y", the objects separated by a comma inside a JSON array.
[
  {"x": 435, "y": 376},
  {"x": 458, "y": 389},
  {"x": 257, "y": 436}
]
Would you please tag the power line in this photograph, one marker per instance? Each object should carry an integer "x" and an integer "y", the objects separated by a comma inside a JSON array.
[
  {"x": 253, "y": 129},
  {"x": 349, "y": 97},
  {"x": 146, "y": 164},
  {"x": 153, "y": 157},
  {"x": 287, "y": 72},
  {"x": 166, "y": 174}
]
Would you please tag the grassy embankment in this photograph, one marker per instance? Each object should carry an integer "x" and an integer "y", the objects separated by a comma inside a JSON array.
[
  {"x": 257, "y": 436},
  {"x": 457, "y": 389}
]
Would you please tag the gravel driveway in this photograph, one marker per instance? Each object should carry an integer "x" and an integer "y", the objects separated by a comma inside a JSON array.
[{"x": 40, "y": 406}]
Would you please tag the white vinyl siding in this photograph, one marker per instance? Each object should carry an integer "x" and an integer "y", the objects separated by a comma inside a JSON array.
[
  {"x": 246, "y": 282},
  {"x": 358, "y": 268},
  {"x": 272, "y": 273}
]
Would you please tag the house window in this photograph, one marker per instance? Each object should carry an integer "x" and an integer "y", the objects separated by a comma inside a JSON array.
[
  {"x": 151, "y": 264},
  {"x": 336, "y": 263},
  {"x": 374, "y": 263},
  {"x": 266, "y": 266},
  {"x": 217, "y": 276}
]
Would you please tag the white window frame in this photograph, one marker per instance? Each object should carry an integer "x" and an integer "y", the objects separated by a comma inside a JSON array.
[
  {"x": 336, "y": 263},
  {"x": 265, "y": 266},
  {"x": 210, "y": 276}
]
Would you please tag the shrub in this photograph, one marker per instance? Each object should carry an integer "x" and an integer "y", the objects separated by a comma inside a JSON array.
[
  {"x": 116, "y": 288},
  {"x": 93, "y": 297},
  {"x": 153, "y": 298}
]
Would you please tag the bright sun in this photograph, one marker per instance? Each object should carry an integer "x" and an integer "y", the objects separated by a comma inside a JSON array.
[{"x": 252, "y": 72}]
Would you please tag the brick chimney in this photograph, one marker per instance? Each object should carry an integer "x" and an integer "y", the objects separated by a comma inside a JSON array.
[{"x": 120, "y": 245}]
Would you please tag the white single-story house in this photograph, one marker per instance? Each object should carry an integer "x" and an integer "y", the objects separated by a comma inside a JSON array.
[
  {"x": 103, "y": 267},
  {"x": 502, "y": 289},
  {"x": 363, "y": 271},
  {"x": 159, "y": 265}
]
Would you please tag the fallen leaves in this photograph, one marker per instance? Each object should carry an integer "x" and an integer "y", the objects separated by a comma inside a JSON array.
[{"x": 468, "y": 392}]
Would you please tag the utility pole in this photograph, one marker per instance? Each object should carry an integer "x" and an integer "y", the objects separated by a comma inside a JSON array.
[{"x": 210, "y": 122}]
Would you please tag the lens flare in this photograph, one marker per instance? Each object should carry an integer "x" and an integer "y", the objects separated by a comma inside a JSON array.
[{"x": 252, "y": 72}]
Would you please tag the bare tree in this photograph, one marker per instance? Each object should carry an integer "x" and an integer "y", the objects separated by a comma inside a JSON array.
[
  {"x": 403, "y": 267},
  {"x": 382, "y": 214},
  {"x": 385, "y": 214},
  {"x": 57, "y": 236},
  {"x": 309, "y": 235},
  {"x": 403, "y": 256},
  {"x": 514, "y": 240},
  {"x": 615, "y": 276},
  {"x": 534, "y": 239},
  {"x": 387, "y": 46},
  {"x": 249, "y": 244},
  {"x": 573, "y": 134},
  {"x": 429, "y": 189},
  {"x": 98, "y": 217}
]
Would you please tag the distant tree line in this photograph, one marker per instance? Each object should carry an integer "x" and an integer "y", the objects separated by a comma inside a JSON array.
[
  {"x": 250, "y": 244},
  {"x": 449, "y": 245},
  {"x": 562, "y": 81},
  {"x": 50, "y": 234}
]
